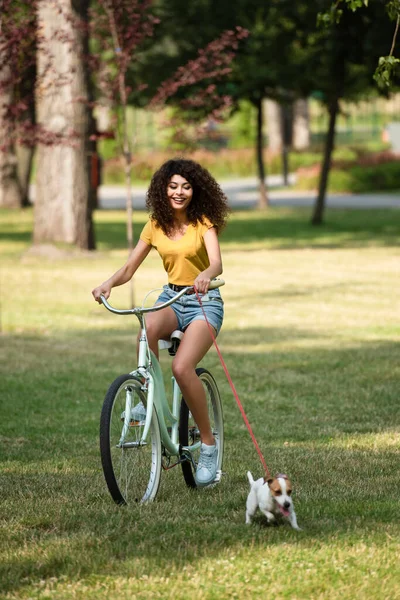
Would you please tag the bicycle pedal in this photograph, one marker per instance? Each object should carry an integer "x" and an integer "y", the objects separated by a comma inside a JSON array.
[
  {"x": 216, "y": 481},
  {"x": 218, "y": 476}
]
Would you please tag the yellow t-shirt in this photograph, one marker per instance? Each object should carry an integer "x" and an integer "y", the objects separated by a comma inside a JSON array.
[{"x": 183, "y": 259}]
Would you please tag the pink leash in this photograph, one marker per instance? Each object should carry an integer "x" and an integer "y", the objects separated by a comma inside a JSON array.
[{"x": 245, "y": 419}]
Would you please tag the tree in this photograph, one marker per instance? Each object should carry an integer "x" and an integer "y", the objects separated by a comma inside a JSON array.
[
  {"x": 17, "y": 75},
  {"x": 301, "y": 124},
  {"x": 10, "y": 195},
  {"x": 117, "y": 29},
  {"x": 193, "y": 87},
  {"x": 342, "y": 62},
  {"x": 388, "y": 65},
  {"x": 287, "y": 57},
  {"x": 62, "y": 205},
  {"x": 267, "y": 63}
]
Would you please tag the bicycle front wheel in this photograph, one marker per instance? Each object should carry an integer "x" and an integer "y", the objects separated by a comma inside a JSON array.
[
  {"x": 132, "y": 469},
  {"x": 189, "y": 433}
]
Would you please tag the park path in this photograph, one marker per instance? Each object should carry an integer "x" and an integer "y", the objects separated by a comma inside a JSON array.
[{"x": 243, "y": 193}]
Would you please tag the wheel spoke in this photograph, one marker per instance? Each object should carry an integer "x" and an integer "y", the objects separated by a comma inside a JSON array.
[
  {"x": 132, "y": 470},
  {"x": 189, "y": 434}
]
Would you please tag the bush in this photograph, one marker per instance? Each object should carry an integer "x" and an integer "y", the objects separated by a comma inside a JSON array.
[
  {"x": 377, "y": 172},
  {"x": 222, "y": 164},
  {"x": 378, "y": 177},
  {"x": 354, "y": 169}
]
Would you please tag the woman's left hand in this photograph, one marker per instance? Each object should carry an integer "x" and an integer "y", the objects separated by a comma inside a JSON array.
[{"x": 201, "y": 283}]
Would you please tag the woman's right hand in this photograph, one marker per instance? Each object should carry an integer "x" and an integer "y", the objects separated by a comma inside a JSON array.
[{"x": 103, "y": 289}]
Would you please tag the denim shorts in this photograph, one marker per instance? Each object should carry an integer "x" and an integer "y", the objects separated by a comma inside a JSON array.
[{"x": 187, "y": 309}]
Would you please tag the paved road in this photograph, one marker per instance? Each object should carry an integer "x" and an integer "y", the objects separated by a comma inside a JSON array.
[{"x": 242, "y": 193}]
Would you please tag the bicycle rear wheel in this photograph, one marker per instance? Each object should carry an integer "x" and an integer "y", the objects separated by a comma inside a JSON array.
[
  {"x": 132, "y": 471},
  {"x": 189, "y": 433}
]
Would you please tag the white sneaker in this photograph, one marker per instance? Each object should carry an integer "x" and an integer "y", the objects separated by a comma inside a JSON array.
[
  {"x": 207, "y": 466},
  {"x": 138, "y": 414}
]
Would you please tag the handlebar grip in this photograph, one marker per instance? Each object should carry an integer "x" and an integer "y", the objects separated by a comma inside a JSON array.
[{"x": 216, "y": 283}]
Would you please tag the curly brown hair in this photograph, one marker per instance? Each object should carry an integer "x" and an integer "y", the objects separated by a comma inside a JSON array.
[{"x": 208, "y": 199}]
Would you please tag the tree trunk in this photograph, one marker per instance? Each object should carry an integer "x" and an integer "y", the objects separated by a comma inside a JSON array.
[
  {"x": 26, "y": 121},
  {"x": 10, "y": 193},
  {"x": 263, "y": 201},
  {"x": 286, "y": 113},
  {"x": 319, "y": 207},
  {"x": 93, "y": 159},
  {"x": 301, "y": 125},
  {"x": 63, "y": 210},
  {"x": 24, "y": 168},
  {"x": 274, "y": 126}
]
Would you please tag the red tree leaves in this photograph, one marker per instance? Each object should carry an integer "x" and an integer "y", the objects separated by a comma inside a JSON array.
[{"x": 212, "y": 63}]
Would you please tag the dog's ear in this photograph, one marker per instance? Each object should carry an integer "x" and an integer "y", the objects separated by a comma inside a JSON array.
[
  {"x": 269, "y": 481},
  {"x": 275, "y": 487}
]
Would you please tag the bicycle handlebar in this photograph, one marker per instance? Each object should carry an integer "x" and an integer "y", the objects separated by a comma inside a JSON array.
[{"x": 215, "y": 283}]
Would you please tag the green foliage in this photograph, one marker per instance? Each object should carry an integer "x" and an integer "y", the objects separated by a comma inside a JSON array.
[
  {"x": 329, "y": 18},
  {"x": 333, "y": 15},
  {"x": 393, "y": 9},
  {"x": 241, "y": 126},
  {"x": 384, "y": 177},
  {"x": 229, "y": 163},
  {"x": 356, "y": 179},
  {"x": 224, "y": 163},
  {"x": 355, "y": 4},
  {"x": 385, "y": 71}
]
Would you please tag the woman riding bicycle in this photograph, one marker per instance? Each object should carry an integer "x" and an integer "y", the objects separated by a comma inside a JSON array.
[{"x": 187, "y": 211}]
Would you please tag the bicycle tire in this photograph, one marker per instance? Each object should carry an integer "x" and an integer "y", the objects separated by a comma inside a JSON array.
[
  {"x": 132, "y": 474},
  {"x": 188, "y": 431}
]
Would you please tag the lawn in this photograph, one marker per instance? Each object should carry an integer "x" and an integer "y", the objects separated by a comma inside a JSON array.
[{"x": 311, "y": 338}]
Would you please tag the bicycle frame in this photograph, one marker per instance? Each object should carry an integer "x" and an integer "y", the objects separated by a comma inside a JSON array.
[{"x": 149, "y": 368}]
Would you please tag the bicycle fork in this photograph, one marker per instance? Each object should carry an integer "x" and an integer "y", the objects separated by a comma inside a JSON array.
[{"x": 127, "y": 416}]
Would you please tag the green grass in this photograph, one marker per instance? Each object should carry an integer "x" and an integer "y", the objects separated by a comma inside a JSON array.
[{"x": 311, "y": 338}]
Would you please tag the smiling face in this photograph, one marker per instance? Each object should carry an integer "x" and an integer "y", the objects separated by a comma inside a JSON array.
[{"x": 180, "y": 193}]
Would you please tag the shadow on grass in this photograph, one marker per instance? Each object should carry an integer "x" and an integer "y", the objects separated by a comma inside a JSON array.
[
  {"x": 23, "y": 237},
  {"x": 280, "y": 228},
  {"x": 290, "y": 382},
  {"x": 284, "y": 228},
  {"x": 291, "y": 228},
  {"x": 75, "y": 531},
  {"x": 320, "y": 414}
]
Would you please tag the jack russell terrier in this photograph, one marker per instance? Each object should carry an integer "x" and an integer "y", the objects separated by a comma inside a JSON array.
[{"x": 272, "y": 497}]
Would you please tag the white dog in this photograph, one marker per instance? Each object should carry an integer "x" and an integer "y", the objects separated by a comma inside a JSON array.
[{"x": 272, "y": 497}]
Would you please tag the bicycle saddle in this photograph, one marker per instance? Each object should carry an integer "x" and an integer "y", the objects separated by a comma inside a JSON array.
[{"x": 172, "y": 344}]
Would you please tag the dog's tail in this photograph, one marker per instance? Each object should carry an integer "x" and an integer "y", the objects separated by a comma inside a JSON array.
[{"x": 250, "y": 478}]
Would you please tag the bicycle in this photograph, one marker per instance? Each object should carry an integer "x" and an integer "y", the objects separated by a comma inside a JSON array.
[{"x": 140, "y": 433}]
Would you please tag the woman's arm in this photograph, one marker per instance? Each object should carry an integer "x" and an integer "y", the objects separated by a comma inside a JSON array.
[
  {"x": 125, "y": 273},
  {"x": 211, "y": 242}
]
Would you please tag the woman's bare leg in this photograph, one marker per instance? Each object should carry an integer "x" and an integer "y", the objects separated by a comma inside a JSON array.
[
  {"x": 195, "y": 344},
  {"x": 159, "y": 326}
]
